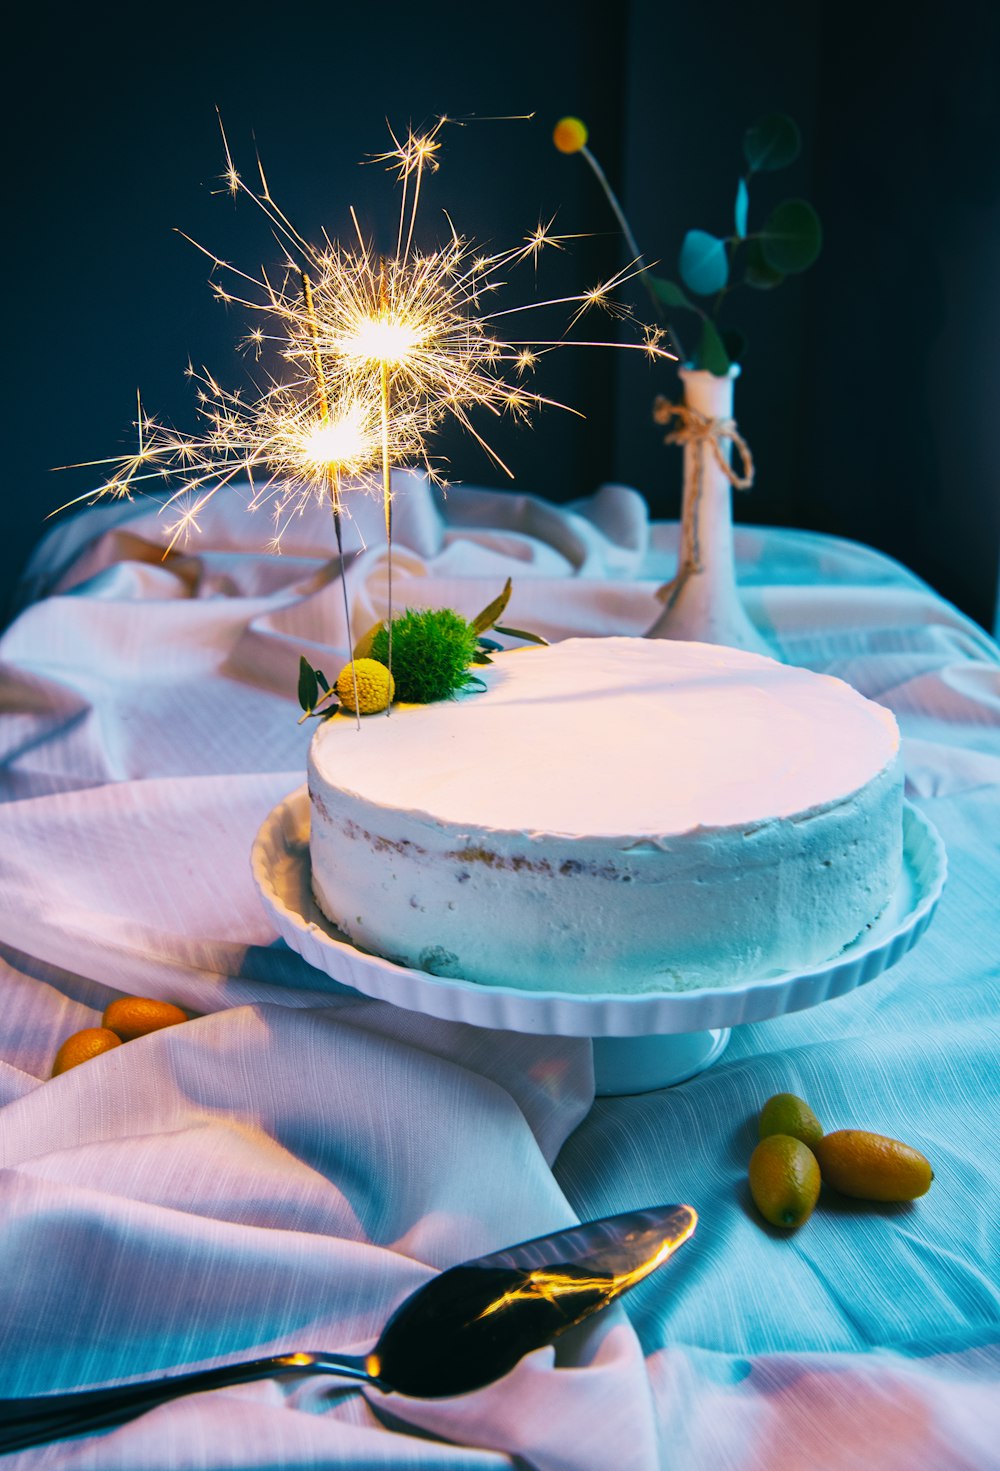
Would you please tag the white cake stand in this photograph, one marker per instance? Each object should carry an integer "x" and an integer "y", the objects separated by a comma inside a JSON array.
[{"x": 641, "y": 1041}]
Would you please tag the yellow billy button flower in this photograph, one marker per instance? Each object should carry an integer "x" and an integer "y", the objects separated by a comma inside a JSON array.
[
  {"x": 569, "y": 135},
  {"x": 375, "y": 686}
]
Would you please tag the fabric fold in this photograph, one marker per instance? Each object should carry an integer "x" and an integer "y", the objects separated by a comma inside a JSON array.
[{"x": 280, "y": 1171}]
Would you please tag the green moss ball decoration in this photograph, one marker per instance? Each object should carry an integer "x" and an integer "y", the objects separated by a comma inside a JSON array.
[{"x": 431, "y": 653}]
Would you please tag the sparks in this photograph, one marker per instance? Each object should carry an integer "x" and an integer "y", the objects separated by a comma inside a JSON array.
[{"x": 365, "y": 363}]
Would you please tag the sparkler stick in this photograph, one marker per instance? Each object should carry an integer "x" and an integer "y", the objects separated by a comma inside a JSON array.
[
  {"x": 333, "y": 477},
  {"x": 386, "y": 470}
]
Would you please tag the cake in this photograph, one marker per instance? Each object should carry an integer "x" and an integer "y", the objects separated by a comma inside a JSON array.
[{"x": 611, "y": 815}]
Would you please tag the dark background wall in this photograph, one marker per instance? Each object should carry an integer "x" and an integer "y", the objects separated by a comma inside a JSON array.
[{"x": 870, "y": 387}]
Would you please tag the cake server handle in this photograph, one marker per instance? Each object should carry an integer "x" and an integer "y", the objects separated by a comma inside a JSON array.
[{"x": 45, "y": 1417}]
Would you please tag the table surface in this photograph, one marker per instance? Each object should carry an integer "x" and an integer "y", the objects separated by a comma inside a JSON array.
[{"x": 278, "y": 1173}]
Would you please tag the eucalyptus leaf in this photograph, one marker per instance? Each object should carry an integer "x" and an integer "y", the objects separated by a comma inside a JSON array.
[
  {"x": 473, "y": 680},
  {"x": 481, "y": 657},
  {"x": 669, "y": 294},
  {"x": 488, "y": 617},
  {"x": 531, "y": 638},
  {"x": 711, "y": 351},
  {"x": 308, "y": 684},
  {"x": 741, "y": 208},
  {"x": 735, "y": 344},
  {"x": 758, "y": 273},
  {"x": 704, "y": 265},
  {"x": 792, "y": 236},
  {"x": 489, "y": 643},
  {"x": 772, "y": 142},
  {"x": 363, "y": 647},
  {"x": 322, "y": 681}
]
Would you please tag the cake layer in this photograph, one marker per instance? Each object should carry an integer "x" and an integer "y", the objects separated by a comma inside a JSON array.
[{"x": 612, "y": 814}]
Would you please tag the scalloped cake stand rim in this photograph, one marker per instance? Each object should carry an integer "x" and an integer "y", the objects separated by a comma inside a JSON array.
[{"x": 662, "y": 1036}]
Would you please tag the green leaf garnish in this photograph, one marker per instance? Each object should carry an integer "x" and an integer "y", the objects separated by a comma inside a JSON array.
[
  {"x": 492, "y": 611},
  {"x": 308, "y": 685},
  {"x": 311, "y": 681},
  {"x": 531, "y": 638}
]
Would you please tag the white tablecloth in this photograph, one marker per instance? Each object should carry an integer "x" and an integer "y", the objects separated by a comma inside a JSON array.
[{"x": 278, "y": 1173}]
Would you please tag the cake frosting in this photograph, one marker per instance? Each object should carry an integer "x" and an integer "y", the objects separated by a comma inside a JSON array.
[{"x": 611, "y": 815}]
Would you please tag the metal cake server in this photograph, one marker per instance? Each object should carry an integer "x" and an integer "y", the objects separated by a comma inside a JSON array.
[{"x": 464, "y": 1328}]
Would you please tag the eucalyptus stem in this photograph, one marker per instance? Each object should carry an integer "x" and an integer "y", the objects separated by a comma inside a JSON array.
[{"x": 633, "y": 245}]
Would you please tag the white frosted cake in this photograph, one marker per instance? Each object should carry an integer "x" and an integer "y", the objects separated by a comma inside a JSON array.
[{"x": 611, "y": 815}]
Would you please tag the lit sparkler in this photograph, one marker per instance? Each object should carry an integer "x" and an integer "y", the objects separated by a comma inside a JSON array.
[{"x": 375, "y": 350}]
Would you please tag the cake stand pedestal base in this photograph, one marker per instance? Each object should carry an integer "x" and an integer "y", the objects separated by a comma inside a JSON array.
[{"x": 641, "y": 1064}]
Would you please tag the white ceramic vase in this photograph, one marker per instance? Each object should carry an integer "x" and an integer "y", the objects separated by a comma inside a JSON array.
[{"x": 702, "y": 602}]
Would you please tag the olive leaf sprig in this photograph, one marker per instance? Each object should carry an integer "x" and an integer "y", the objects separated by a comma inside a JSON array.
[
  {"x": 434, "y": 651},
  {"x": 488, "y": 619},
  {"x": 311, "y": 682}
]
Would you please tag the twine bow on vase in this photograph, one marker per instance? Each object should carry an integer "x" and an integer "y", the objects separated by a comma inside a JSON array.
[{"x": 702, "y": 603}]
